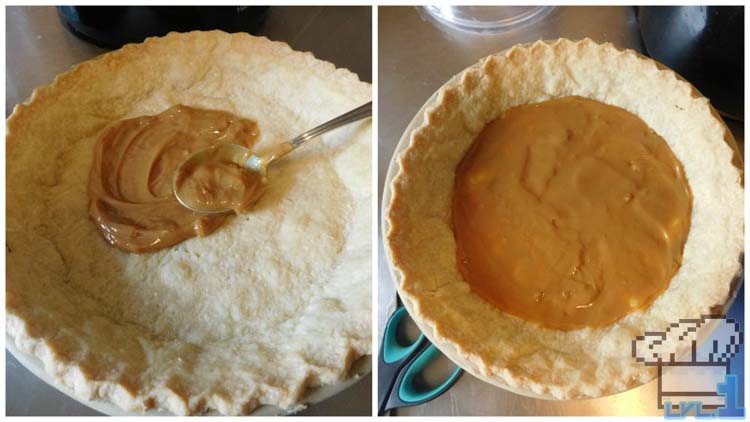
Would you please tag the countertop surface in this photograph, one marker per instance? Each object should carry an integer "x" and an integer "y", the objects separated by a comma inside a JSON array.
[
  {"x": 416, "y": 56},
  {"x": 38, "y": 48}
]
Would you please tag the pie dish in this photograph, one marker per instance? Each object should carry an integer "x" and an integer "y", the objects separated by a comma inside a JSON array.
[
  {"x": 506, "y": 350},
  {"x": 274, "y": 302}
]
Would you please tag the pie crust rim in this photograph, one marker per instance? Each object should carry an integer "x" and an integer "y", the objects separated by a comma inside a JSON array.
[{"x": 359, "y": 369}]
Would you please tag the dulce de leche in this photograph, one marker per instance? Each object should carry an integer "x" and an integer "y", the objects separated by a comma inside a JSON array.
[
  {"x": 570, "y": 213},
  {"x": 130, "y": 184}
]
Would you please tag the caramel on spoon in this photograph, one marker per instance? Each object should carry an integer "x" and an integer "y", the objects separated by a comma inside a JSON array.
[{"x": 230, "y": 178}]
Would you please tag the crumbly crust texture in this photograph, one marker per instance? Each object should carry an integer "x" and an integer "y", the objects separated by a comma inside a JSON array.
[
  {"x": 273, "y": 302},
  {"x": 508, "y": 351}
]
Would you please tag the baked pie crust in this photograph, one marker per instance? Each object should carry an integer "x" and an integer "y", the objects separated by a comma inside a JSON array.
[
  {"x": 506, "y": 350},
  {"x": 274, "y": 302}
]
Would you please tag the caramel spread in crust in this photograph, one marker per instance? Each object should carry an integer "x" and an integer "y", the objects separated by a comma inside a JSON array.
[
  {"x": 570, "y": 213},
  {"x": 217, "y": 182},
  {"x": 130, "y": 185}
]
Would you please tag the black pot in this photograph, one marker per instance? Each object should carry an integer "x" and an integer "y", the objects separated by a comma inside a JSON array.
[
  {"x": 705, "y": 45},
  {"x": 114, "y": 26}
]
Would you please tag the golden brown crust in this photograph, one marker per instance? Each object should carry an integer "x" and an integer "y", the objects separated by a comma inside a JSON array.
[
  {"x": 506, "y": 350},
  {"x": 184, "y": 329}
]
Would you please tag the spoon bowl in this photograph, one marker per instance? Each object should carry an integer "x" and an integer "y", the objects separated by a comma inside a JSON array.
[
  {"x": 228, "y": 178},
  {"x": 255, "y": 168}
]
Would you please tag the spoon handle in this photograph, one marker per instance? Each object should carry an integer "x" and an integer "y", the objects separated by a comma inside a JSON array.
[{"x": 358, "y": 113}]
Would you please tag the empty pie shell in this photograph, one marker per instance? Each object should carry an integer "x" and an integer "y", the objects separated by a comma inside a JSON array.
[
  {"x": 506, "y": 350},
  {"x": 273, "y": 302}
]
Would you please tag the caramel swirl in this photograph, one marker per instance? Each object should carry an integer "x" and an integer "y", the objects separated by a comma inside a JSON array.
[
  {"x": 570, "y": 213},
  {"x": 130, "y": 184}
]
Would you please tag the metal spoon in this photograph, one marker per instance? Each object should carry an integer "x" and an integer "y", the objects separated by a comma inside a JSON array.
[{"x": 245, "y": 158}]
